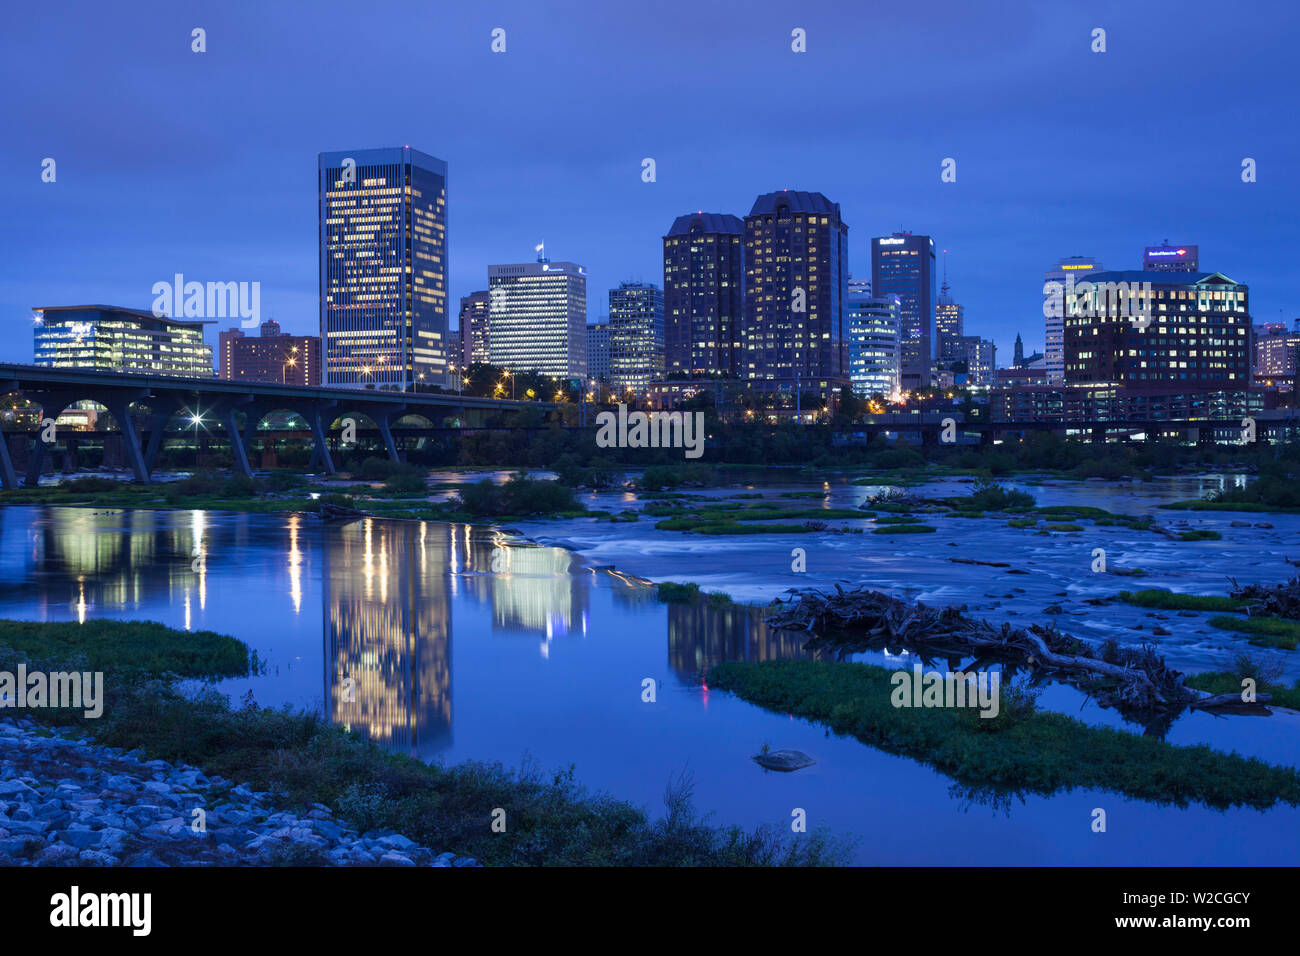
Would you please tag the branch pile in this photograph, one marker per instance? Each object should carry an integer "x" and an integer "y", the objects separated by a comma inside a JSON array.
[
  {"x": 1136, "y": 681},
  {"x": 1278, "y": 600}
]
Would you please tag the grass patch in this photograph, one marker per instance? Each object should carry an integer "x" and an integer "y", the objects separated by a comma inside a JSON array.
[
  {"x": 1226, "y": 682},
  {"x": 124, "y": 646},
  {"x": 1173, "y": 601},
  {"x": 1063, "y": 527},
  {"x": 1263, "y": 631},
  {"x": 898, "y": 519},
  {"x": 1199, "y": 535},
  {"x": 904, "y": 529},
  {"x": 1025, "y": 751},
  {"x": 1022, "y": 522}
]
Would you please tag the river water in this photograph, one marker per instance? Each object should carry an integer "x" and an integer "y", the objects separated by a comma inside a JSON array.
[{"x": 452, "y": 642}]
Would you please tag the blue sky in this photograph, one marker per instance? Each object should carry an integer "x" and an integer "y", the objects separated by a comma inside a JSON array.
[{"x": 172, "y": 161}]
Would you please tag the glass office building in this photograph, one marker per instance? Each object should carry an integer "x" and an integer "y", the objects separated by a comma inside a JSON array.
[
  {"x": 636, "y": 336},
  {"x": 106, "y": 338},
  {"x": 1054, "y": 285},
  {"x": 383, "y": 268},
  {"x": 904, "y": 265},
  {"x": 874, "y": 344}
]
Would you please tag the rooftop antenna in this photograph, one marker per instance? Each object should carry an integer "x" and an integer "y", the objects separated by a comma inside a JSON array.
[
  {"x": 944, "y": 288},
  {"x": 540, "y": 249}
]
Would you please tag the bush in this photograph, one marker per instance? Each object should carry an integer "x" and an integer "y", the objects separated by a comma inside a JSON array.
[
  {"x": 520, "y": 495},
  {"x": 990, "y": 496},
  {"x": 406, "y": 483}
]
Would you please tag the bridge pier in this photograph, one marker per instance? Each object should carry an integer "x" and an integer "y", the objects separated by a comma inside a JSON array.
[
  {"x": 230, "y": 418},
  {"x": 8, "y": 476},
  {"x": 52, "y": 403},
  {"x": 163, "y": 410},
  {"x": 383, "y": 420},
  {"x": 315, "y": 420},
  {"x": 120, "y": 408}
]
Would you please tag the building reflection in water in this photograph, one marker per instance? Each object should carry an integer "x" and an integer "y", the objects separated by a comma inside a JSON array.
[
  {"x": 387, "y": 613},
  {"x": 701, "y": 636}
]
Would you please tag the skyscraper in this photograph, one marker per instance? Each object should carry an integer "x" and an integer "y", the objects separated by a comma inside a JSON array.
[
  {"x": 598, "y": 350},
  {"x": 874, "y": 349},
  {"x": 538, "y": 318},
  {"x": 704, "y": 292},
  {"x": 796, "y": 277},
  {"x": 1071, "y": 269},
  {"x": 474, "y": 313},
  {"x": 904, "y": 265},
  {"x": 949, "y": 326},
  {"x": 636, "y": 336},
  {"x": 383, "y": 267}
]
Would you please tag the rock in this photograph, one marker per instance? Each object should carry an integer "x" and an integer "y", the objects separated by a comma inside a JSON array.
[
  {"x": 81, "y": 839},
  {"x": 396, "y": 842},
  {"x": 393, "y": 858},
  {"x": 1263, "y": 524},
  {"x": 1159, "y": 631},
  {"x": 784, "y": 760},
  {"x": 465, "y": 861},
  {"x": 12, "y": 788}
]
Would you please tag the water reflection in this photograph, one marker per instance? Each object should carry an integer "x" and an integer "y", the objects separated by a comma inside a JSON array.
[{"x": 701, "y": 636}]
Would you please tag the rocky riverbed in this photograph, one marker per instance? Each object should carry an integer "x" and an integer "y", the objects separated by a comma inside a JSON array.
[{"x": 65, "y": 801}]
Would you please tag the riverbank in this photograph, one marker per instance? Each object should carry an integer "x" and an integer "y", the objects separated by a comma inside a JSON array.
[{"x": 295, "y": 767}]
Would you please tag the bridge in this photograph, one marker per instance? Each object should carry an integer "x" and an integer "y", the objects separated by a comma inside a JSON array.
[{"x": 238, "y": 407}]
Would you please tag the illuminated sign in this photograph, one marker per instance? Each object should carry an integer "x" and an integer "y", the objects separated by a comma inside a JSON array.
[
  {"x": 1068, "y": 268},
  {"x": 81, "y": 329},
  {"x": 1166, "y": 252},
  {"x": 891, "y": 242}
]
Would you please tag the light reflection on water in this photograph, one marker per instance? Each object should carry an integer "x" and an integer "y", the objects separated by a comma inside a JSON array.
[{"x": 452, "y": 642}]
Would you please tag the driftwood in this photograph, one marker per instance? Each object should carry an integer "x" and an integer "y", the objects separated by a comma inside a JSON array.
[
  {"x": 1136, "y": 681},
  {"x": 1277, "y": 600}
]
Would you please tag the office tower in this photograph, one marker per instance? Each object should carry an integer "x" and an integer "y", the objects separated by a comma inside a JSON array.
[
  {"x": 636, "y": 336},
  {"x": 225, "y": 342},
  {"x": 105, "y": 338},
  {"x": 1276, "y": 356},
  {"x": 1148, "y": 328},
  {"x": 875, "y": 354},
  {"x": 949, "y": 327},
  {"x": 904, "y": 265},
  {"x": 383, "y": 267},
  {"x": 598, "y": 350},
  {"x": 538, "y": 318},
  {"x": 272, "y": 356},
  {"x": 474, "y": 327},
  {"x": 704, "y": 295},
  {"x": 796, "y": 281},
  {"x": 980, "y": 356},
  {"x": 1169, "y": 258},
  {"x": 1055, "y": 281}
]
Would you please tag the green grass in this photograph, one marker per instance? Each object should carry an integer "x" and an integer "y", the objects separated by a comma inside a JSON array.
[
  {"x": 898, "y": 519},
  {"x": 1022, "y": 522},
  {"x": 1063, "y": 527},
  {"x": 118, "y": 646},
  {"x": 1264, "y": 631},
  {"x": 1199, "y": 535},
  {"x": 1173, "y": 601},
  {"x": 1034, "y": 751},
  {"x": 1224, "y": 682},
  {"x": 1200, "y": 504},
  {"x": 904, "y": 529}
]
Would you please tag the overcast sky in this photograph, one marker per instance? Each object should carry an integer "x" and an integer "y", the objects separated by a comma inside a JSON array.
[{"x": 205, "y": 163}]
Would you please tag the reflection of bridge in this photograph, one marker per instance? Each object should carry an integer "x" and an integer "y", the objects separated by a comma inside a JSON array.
[{"x": 236, "y": 406}]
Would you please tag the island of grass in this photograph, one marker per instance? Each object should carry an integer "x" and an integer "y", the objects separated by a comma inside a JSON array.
[
  {"x": 1022, "y": 750},
  {"x": 1262, "y": 630},
  {"x": 302, "y": 759}
]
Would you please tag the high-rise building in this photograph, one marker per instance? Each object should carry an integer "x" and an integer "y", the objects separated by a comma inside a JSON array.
[
  {"x": 474, "y": 311},
  {"x": 949, "y": 327},
  {"x": 598, "y": 350},
  {"x": 1144, "y": 328},
  {"x": 981, "y": 360},
  {"x": 271, "y": 356},
  {"x": 1169, "y": 258},
  {"x": 636, "y": 336},
  {"x": 538, "y": 318},
  {"x": 225, "y": 343},
  {"x": 904, "y": 265},
  {"x": 1276, "y": 356},
  {"x": 105, "y": 338},
  {"x": 1055, "y": 281},
  {"x": 796, "y": 281},
  {"x": 383, "y": 267},
  {"x": 875, "y": 356},
  {"x": 704, "y": 295}
]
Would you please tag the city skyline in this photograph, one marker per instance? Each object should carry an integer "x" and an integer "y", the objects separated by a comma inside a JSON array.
[{"x": 213, "y": 195}]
